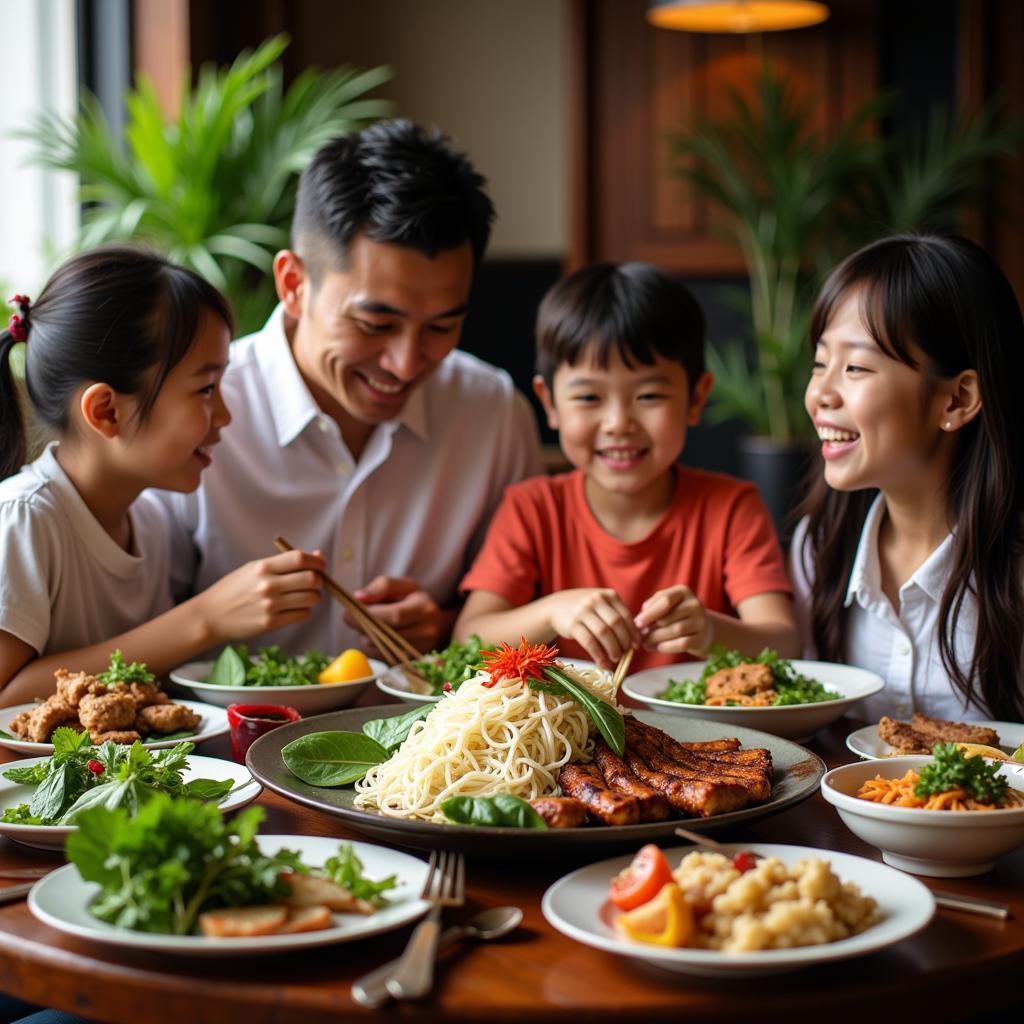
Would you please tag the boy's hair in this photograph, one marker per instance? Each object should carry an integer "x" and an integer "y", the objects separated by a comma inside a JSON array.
[
  {"x": 116, "y": 314},
  {"x": 632, "y": 308},
  {"x": 394, "y": 182}
]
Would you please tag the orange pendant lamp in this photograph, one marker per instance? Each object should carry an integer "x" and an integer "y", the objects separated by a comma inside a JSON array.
[{"x": 737, "y": 16}]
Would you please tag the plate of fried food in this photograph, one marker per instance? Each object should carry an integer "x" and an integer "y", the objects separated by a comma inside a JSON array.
[
  {"x": 122, "y": 704},
  {"x": 793, "y": 699},
  {"x": 526, "y": 756},
  {"x": 753, "y": 909},
  {"x": 893, "y": 738}
]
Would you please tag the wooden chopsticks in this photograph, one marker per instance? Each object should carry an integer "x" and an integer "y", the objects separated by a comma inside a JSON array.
[{"x": 395, "y": 648}]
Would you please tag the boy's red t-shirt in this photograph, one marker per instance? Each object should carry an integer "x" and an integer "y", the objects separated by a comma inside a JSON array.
[{"x": 716, "y": 537}]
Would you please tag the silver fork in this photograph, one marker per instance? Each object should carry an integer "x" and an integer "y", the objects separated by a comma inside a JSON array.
[{"x": 445, "y": 886}]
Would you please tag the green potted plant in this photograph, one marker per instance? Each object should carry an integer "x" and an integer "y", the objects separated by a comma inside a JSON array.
[
  {"x": 213, "y": 188},
  {"x": 796, "y": 202}
]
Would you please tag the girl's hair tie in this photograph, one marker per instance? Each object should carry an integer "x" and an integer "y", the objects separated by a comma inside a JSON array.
[{"x": 17, "y": 326}]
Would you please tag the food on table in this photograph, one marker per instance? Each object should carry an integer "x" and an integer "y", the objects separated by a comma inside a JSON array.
[
  {"x": 80, "y": 775},
  {"x": 951, "y": 781},
  {"x": 122, "y": 704},
  {"x": 178, "y": 867},
  {"x": 499, "y": 811},
  {"x": 350, "y": 664},
  {"x": 642, "y": 880},
  {"x": 269, "y": 666},
  {"x": 922, "y": 733},
  {"x": 709, "y": 902},
  {"x": 560, "y": 811},
  {"x": 731, "y": 679},
  {"x": 453, "y": 665}
]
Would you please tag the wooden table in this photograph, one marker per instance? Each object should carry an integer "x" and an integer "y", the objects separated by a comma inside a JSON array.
[{"x": 960, "y": 967}]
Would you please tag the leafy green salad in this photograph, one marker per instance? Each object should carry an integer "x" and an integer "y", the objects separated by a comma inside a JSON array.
[
  {"x": 790, "y": 686},
  {"x": 455, "y": 664},
  {"x": 269, "y": 666},
  {"x": 178, "y": 858},
  {"x": 79, "y": 776}
]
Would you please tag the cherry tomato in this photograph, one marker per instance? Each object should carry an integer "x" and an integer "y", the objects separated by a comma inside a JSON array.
[
  {"x": 642, "y": 880},
  {"x": 744, "y": 861}
]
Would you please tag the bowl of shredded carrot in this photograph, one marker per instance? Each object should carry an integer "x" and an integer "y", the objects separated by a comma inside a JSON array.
[{"x": 948, "y": 815}]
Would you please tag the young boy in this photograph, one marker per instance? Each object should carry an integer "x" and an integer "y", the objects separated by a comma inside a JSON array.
[{"x": 629, "y": 549}]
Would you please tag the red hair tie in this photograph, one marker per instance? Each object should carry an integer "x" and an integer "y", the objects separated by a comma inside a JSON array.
[{"x": 17, "y": 325}]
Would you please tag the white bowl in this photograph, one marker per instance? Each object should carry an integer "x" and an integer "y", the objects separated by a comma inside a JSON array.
[
  {"x": 307, "y": 700},
  {"x": 942, "y": 844},
  {"x": 792, "y": 721}
]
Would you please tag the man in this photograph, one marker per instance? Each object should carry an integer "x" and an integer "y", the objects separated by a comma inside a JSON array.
[{"x": 357, "y": 430}]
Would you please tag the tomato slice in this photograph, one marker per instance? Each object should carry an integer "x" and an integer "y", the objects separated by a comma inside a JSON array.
[{"x": 642, "y": 880}]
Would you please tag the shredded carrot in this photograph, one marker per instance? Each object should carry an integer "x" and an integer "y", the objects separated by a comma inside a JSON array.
[{"x": 900, "y": 793}]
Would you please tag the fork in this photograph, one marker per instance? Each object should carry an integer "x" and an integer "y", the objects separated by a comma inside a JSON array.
[{"x": 445, "y": 886}]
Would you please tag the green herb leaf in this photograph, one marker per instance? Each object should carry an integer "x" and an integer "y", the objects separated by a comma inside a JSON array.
[
  {"x": 391, "y": 733},
  {"x": 950, "y": 768},
  {"x": 211, "y": 790},
  {"x": 229, "y": 669},
  {"x": 332, "y": 758},
  {"x": 120, "y": 672},
  {"x": 503, "y": 810},
  {"x": 607, "y": 718},
  {"x": 346, "y": 870}
]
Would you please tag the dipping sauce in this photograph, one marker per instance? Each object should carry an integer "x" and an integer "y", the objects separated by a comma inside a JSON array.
[{"x": 250, "y": 721}]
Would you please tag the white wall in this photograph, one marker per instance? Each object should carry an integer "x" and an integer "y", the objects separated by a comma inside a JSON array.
[
  {"x": 491, "y": 73},
  {"x": 38, "y": 212}
]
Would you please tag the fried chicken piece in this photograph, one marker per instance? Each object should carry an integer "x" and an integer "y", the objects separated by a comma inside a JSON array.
[
  {"x": 128, "y": 736},
  {"x": 741, "y": 681},
  {"x": 761, "y": 699},
  {"x": 48, "y": 716},
  {"x": 955, "y": 732},
  {"x": 107, "y": 712},
  {"x": 19, "y": 724},
  {"x": 73, "y": 686},
  {"x": 165, "y": 718},
  {"x": 903, "y": 738},
  {"x": 139, "y": 725},
  {"x": 560, "y": 811},
  {"x": 146, "y": 694}
]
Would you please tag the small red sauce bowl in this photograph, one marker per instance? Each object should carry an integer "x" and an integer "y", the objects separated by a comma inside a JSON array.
[{"x": 250, "y": 721}]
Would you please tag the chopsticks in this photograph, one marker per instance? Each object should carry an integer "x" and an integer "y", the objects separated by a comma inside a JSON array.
[{"x": 395, "y": 648}]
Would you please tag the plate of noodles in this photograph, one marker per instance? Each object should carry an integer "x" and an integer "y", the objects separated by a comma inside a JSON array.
[{"x": 498, "y": 727}]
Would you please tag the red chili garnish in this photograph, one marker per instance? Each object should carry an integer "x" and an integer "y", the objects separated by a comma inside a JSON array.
[
  {"x": 744, "y": 861},
  {"x": 446, "y": 687},
  {"x": 95, "y": 767},
  {"x": 527, "y": 661}
]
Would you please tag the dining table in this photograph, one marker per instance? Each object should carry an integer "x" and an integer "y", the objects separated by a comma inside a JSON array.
[{"x": 961, "y": 967}]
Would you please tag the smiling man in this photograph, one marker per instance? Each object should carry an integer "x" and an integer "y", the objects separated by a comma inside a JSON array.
[{"x": 357, "y": 429}]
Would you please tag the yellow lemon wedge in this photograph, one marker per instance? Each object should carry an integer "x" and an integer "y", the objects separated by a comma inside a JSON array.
[
  {"x": 346, "y": 667},
  {"x": 981, "y": 750}
]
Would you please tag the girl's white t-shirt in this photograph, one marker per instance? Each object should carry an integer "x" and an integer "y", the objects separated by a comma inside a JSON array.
[
  {"x": 899, "y": 644},
  {"x": 64, "y": 582}
]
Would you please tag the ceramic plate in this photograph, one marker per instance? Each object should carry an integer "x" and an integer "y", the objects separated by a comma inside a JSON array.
[
  {"x": 395, "y": 683},
  {"x": 797, "y": 773},
  {"x": 577, "y": 905},
  {"x": 868, "y": 744},
  {"x": 213, "y": 723},
  {"x": 313, "y": 699},
  {"x": 62, "y": 898},
  {"x": 793, "y": 721},
  {"x": 51, "y": 837}
]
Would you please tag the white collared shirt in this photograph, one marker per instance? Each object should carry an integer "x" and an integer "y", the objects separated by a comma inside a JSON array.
[
  {"x": 901, "y": 645},
  {"x": 417, "y": 502}
]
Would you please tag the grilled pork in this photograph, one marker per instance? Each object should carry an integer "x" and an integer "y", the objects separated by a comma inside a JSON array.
[
  {"x": 586, "y": 783},
  {"x": 561, "y": 811},
  {"x": 653, "y": 805}
]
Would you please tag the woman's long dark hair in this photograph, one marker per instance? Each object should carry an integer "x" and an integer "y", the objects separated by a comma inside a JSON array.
[
  {"x": 116, "y": 314},
  {"x": 948, "y": 298}
]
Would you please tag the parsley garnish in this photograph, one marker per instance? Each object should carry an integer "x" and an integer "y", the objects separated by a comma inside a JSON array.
[{"x": 950, "y": 768}]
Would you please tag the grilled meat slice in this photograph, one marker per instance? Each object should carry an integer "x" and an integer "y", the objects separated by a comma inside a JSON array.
[
  {"x": 954, "y": 732},
  {"x": 586, "y": 783},
  {"x": 709, "y": 746},
  {"x": 691, "y": 795},
  {"x": 561, "y": 811},
  {"x": 904, "y": 738},
  {"x": 653, "y": 805}
]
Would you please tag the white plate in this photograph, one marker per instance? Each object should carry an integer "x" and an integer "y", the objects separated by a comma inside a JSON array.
[
  {"x": 213, "y": 722},
  {"x": 866, "y": 742},
  {"x": 577, "y": 905},
  {"x": 307, "y": 700},
  {"x": 51, "y": 837},
  {"x": 395, "y": 684},
  {"x": 793, "y": 721},
  {"x": 62, "y": 899}
]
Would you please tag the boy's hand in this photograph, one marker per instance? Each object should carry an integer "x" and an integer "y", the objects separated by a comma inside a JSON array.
[
  {"x": 596, "y": 619},
  {"x": 262, "y": 595},
  {"x": 407, "y": 608},
  {"x": 674, "y": 621}
]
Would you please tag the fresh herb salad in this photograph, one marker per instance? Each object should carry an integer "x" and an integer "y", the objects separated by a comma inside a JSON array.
[
  {"x": 788, "y": 685},
  {"x": 454, "y": 665},
  {"x": 270, "y": 666},
  {"x": 79, "y": 776}
]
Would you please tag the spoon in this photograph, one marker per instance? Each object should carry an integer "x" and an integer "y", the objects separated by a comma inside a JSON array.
[{"x": 370, "y": 990}]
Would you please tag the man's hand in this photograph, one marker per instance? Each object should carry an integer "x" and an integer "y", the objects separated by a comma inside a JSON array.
[
  {"x": 403, "y": 605},
  {"x": 674, "y": 621}
]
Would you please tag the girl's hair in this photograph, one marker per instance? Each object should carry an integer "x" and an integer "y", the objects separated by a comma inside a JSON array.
[
  {"x": 116, "y": 314},
  {"x": 948, "y": 299}
]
